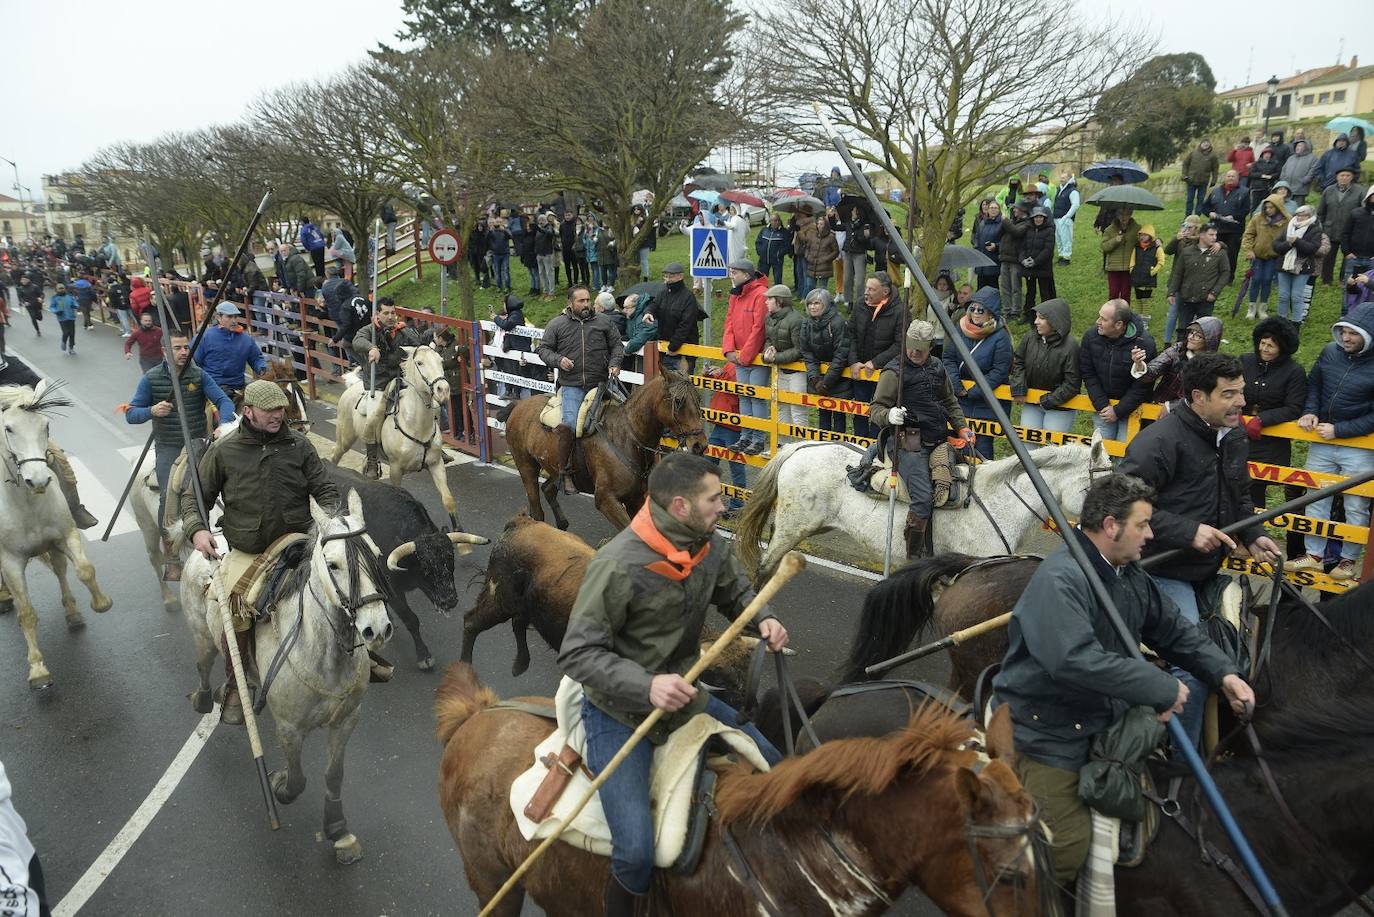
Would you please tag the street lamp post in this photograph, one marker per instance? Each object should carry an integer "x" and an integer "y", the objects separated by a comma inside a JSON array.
[
  {"x": 20, "y": 188},
  {"x": 1273, "y": 85}
]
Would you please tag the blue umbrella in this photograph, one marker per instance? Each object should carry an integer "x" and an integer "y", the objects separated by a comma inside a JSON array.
[
  {"x": 706, "y": 197},
  {"x": 1345, "y": 122},
  {"x": 1131, "y": 173}
]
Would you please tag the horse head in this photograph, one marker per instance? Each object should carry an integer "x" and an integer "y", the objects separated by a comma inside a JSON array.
[
  {"x": 1070, "y": 470},
  {"x": 423, "y": 371},
  {"x": 26, "y": 413},
  {"x": 347, "y": 574},
  {"x": 679, "y": 411}
]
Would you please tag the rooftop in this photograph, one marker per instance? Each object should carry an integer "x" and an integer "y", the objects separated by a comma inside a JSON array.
[
  {"x": 1349, "y": 75},
  {"x": 1336, "y": 73}
]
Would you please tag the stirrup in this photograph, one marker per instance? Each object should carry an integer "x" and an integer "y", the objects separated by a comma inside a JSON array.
[{"x": 569, "y": 484}]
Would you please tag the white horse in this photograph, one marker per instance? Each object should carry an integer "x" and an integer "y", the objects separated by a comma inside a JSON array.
[
  {"x": 34, "y": 519},
  {"x": 333, "y": 599},
  {"x": 803, "y": 491},
  {"x": 410, "y": 437}
]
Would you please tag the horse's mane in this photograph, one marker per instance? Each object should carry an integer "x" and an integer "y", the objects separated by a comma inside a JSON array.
[
  {"x": 677, "y": 387},
  {"x": 1046, "y": 458},
  {"x": 43, "y": 400},
  {"x": 292, "y": 568},
  {"x": 848, "y": 767}
]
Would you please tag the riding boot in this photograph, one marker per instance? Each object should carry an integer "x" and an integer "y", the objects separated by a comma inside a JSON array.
[
  {"x": 171, "y": 567},
  {"x": 915, "y": 534},
  {"x": 373, "y": 467},
  {"x": 567, "y": 442},
  {"x": 66, "y": 478},
  {"x": 620, "y": 902}
]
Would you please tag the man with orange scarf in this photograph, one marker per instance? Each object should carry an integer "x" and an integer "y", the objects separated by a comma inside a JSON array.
[{"x": 634, "y": 630}]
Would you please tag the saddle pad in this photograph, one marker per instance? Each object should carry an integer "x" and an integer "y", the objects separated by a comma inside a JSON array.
[
  {"x": 880, "y": 481},
  {"x": 552, "y": 414},
  {"x": 245, "y": 575},
  {"x": 1097, "y": 878},
  {"x": 176, "y": 480},
  {"x": 671, "y": 782}
]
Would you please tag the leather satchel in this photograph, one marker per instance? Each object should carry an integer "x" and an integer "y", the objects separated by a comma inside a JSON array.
[{"x": 561, "y": 768}]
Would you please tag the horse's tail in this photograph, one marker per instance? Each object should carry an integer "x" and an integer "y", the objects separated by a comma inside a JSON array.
[
  {"x": 460, "y": 695},
  {"x": 896, "y": 610},
  {"x": 758, "y": 511}
]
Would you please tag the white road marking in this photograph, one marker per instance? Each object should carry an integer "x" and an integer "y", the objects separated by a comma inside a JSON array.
[
  {"x": 105, "y": 864},
  {"x": 100, "y": 502}
]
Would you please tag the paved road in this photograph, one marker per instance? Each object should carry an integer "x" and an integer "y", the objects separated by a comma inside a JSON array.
[{"x": 84, "y": 755}]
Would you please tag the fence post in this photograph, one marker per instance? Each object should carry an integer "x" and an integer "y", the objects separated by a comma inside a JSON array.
[
  {"x": 479, "y": 396},
  {"x": 415, "y": 232},
  {"x": 307, "y": 349},
  {"x": 773, "y": 409}
]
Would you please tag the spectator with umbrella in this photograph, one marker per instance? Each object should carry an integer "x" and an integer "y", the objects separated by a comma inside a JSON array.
[
  {"x": 1118, "y": 245},
  {"x": 855, "y": 255}
]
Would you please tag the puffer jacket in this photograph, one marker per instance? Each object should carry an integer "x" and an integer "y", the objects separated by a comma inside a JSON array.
[
  {"x": 1106, "y": 367},
  {"x": 782, "y": 331},
  {"x": 875, "y": 338},
  {"x": 821, "y": 252},
  {"x": 1306, "y": 245},
  {"x": 1340, "y": 387},
  {"x": 992, "y": 354},
  {"x": 1261, "y": 230},
  {"x": 1275, "y": 392},
  {"x": 1358, "y": 238},
  {"x": 1197, "y": 480},
  {"x": 1335, "y": 159},
  {"x": 592, "y": 343},
  {"x": 1038, "y": 245},
  {"x": 1299, "y": 169},
  {"x": 1048, "y": 362},
  {"x": 1165, "y": 371},
  {"x": 825, "y": 339},
  {"x": 744, "y": 320},
  {"x": 679, "y": 315},
  {"x": 1119, "y": 243}
]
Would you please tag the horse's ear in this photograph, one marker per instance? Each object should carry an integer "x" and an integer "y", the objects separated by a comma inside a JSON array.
[
  {"x": 669, "y": 373},
  {"x": 410, "y": 351},
  {"x": 1100, "y": 457},
  {"x": 318, "y": 514},
  {"x": 355, "y": 505},
  {"x": 968, "y": 788},
  {"x": 999, "y": 736}
]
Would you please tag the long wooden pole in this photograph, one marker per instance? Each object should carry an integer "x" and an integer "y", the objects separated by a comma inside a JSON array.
[{"x": 792, "y": 564}]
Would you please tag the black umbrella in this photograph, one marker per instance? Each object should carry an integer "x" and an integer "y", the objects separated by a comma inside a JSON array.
[
  {"x": 648, "y": 289},
  {"x": 955, "y": 257},
  {"x": 1131, "y": 196},
  {"x": 850, "y": 201},
  {"x": 1131, "y": 173}
]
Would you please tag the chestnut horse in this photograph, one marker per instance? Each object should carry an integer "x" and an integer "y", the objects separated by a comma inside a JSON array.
[
  {"x": 845, "y": 829},
  {"x": 614, "y": 462}
]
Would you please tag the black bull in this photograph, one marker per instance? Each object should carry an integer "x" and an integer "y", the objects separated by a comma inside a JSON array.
[{"x": 420, "y": 555}]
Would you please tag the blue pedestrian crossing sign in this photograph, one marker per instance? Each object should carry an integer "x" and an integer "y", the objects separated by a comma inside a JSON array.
[{"x": 710, "y": 245}]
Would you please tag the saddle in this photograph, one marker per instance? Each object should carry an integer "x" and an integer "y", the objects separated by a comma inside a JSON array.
[
  {"x": 251, "y": 581},
  {"x": 951, "y": 478},
  {"x": 682, "y": 784},
  {"x": 589, "y": 414}
]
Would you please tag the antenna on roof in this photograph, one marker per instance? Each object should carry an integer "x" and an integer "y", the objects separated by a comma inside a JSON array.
[{"x": 1340, "y": 51}]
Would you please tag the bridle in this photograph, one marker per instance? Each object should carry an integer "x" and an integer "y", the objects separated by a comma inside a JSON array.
[
  {"x": 419, "y": 371},
  {"x": 14, "y": 465},
  {"x": 1033, "y": 843}
]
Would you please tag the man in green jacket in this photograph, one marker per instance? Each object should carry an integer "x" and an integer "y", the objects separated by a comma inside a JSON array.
[
  {"x": 266, "y": 473},
  {"x": 635, "y": 630},
  {"x": 1199, "y": 174}
]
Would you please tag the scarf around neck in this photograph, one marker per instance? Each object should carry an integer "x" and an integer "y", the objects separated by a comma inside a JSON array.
[
  {"x": 976, "y": 332},
  {"x": 677, "y": 564}
]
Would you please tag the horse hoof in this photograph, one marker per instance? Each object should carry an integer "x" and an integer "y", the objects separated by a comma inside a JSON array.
[
  {"x": 347, "y": 850},
  {"x": 41, "y": 681},
  {"x": 518, "y": 667},
  {"x": 6, "y": 606},
  {"x": 426, "y": 664},
  {"x": 563, "y": 525},
  {"x": 104, "y": 604},
  {"x": 200, "y": 701},
  {"x": 76, "y": 624}
]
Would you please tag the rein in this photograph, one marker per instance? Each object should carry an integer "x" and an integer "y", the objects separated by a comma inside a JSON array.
[{"x": 14, "y": 465}]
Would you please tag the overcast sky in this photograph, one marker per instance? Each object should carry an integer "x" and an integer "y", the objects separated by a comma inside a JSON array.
[{"x": 78, "y": 77}]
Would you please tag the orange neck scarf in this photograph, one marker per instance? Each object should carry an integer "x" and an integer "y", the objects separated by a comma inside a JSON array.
[{"x": 677, "y": 564}]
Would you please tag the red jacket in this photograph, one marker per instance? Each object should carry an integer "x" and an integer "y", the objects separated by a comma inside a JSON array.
[
  {"x": 140, "y": 297},
  {"x": 725, "y": 402},
  {"x": 149, "y": 341},
  {"x": 1240, "y": 160},
  {"x": 744, "y": 320}
]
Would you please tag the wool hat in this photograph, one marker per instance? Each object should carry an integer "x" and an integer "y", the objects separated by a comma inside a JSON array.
[
  {"x": 1350, "y": 169},
  {"x": 780, "y": 292},
  {"x": 264, "y": 395},
  {"x": 227, "y": 308},
  {"x": 743, "y": 264},
  {"x": 674, "y": 267},
  {"x": 919, "y": 335}
]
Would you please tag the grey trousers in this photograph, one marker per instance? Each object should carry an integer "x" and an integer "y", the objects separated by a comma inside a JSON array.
[
  {"x": 855, "y": 264},
  {"x": 1009, "y": 285}
]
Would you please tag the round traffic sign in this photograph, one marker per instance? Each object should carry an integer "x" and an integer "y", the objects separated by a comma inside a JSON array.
[{"x": 443, "y": 246}]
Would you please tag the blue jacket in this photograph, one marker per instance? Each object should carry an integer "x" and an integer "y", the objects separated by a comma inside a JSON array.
[
  {"x": 772, "y": 245},
  {"x": 64, "y": 307},
  {"x": 141, "y": 406},
  {"x": 312, "y": 238},
  {"x": 223, "y": 354},
  {"x": 1232, "y": 210},
  {"x": 85, "y": 293},
  {"x": 1333, "y": 160},
  {"x": 985, "y": 231},
  {"x": 992, "y": 353},
  {"x": 1340, "y": 387}
]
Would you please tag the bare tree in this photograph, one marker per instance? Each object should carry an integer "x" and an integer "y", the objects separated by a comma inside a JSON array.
[
  {"x": 323, "y": 148},
  {"x": 946, "y": 90},
  {"x": 140, "y": 187},
  {"x": 633, "y": 101}
]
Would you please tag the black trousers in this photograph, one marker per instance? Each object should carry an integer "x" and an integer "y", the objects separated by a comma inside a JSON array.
[
  {"x": 1329, "y": 262},
  {"x": 1047, "y": 292}
]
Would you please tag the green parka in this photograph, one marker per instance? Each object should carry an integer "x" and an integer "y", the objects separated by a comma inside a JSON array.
[
  {"x": 782, "y": 329},
  {"x": 1119, "y": 245}
]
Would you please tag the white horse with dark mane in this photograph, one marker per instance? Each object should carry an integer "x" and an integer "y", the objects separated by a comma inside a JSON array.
[
  {"x": 803, "y": 492},
  {"x": 328, "y": 611},
  {"x": 409, "y": 430},
  {"x": 34, "y": 518}
]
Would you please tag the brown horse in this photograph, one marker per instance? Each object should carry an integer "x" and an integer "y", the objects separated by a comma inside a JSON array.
[
  {"x": 844, "y": 829},
  {"x": 283, "y": 373},
  {"x": 614, "y": 462},
  {"x": 933, "y": 596}
]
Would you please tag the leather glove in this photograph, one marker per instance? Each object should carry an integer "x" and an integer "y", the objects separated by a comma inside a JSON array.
[
  {"x": 968, "y": 436},
  {"x": 896, "y": 416},
  {"x": 821, "y": 387},
  {"x": 1253, "y": 427}
]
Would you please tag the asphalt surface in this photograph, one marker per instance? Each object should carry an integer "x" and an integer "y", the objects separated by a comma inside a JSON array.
[{"x": 84, "y": 754}]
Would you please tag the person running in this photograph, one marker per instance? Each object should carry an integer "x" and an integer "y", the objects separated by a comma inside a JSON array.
[
  {"x": 63, "y": 305},
  {"x": 147, "y": 337}
]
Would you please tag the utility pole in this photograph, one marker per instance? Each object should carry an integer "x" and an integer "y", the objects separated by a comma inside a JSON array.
[{"x": 20, "y": 188}]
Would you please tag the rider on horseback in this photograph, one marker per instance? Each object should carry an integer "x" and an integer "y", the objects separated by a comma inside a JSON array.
[
  {"x": 266, "y": 473},
  {"x": 1066, "y": 676},
  {"x": 381, "y": 344},
  {"x": 153, "y": 401},
  {"x": 587, "y": 350},
  {"x": 915, "y": 399},
  {"x": 634, "y": 629}
]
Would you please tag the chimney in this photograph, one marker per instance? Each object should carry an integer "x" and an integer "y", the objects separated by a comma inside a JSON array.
[{"x": 1354, "y": 61}]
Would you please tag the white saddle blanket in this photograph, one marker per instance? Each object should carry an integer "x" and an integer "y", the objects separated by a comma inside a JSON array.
[
  {"x": 670, "y": 786},
  {"x": 552, "y": 413}
]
